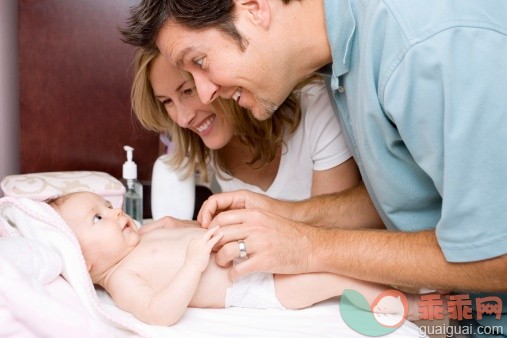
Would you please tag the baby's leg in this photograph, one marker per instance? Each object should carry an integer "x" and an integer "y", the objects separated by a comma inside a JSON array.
[{"x": 300, "y": 291}]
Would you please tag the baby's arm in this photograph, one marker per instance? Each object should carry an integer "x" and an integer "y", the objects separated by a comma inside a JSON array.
[{"x": 133, "y": 293}]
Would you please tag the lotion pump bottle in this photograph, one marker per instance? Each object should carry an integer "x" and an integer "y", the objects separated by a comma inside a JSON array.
[{"x": 133, "y": 200}]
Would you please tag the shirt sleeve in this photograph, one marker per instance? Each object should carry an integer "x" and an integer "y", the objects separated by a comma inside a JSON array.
[
  {"x": 449, "y": 104},
  {"x": 327, "y": 143}
]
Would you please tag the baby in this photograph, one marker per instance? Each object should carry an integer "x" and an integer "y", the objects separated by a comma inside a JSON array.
[{"x": 160, "y": 273}]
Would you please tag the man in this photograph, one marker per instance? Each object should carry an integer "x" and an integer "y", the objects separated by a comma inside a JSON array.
[{"x": 420, "y": 87}]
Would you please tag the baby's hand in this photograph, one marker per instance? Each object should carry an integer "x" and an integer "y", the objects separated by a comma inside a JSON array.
[{"x": 199, "y": 249}]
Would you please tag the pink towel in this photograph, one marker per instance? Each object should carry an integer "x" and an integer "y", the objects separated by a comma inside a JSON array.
[{"x": 25, "y": 300}]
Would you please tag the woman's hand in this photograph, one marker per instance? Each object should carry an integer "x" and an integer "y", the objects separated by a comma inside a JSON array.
[{"x": 167, "y": 222}]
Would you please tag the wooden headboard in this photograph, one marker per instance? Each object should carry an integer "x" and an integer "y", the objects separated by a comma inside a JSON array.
[{"x": 75, "y": 78}]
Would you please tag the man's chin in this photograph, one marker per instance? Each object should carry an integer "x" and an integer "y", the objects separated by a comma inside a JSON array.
[
  {"x": 263, "y": 112},
  {"x": 261, "y": 115}
]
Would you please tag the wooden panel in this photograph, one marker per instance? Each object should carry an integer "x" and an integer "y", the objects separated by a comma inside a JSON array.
[{"x": 75, "y": 77}]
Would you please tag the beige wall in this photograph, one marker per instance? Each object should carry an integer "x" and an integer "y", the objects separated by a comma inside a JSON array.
[{"x": 9, "y": 89}]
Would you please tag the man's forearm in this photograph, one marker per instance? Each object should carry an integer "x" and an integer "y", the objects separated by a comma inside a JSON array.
[
  {"x": 401, "y": 258},
  {"x": 348, "y": 209}
]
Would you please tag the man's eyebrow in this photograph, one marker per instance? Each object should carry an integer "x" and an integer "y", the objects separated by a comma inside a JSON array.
[{"x": 181, "y": 55}]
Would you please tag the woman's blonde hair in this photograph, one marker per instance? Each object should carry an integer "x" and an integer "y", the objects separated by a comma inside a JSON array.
[{"x": 263, "y": 138}]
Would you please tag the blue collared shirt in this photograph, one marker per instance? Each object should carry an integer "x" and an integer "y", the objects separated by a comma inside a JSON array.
[{"x": 421, "y": 87}]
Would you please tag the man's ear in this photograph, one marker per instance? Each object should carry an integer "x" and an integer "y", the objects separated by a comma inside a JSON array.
[{"x": 259, "y": 11}]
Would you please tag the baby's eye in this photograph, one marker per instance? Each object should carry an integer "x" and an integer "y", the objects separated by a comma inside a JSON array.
[{"x": 96, "y": 218}]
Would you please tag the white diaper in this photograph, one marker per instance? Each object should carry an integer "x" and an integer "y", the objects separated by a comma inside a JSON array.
[{"x": 255, "y": 291}]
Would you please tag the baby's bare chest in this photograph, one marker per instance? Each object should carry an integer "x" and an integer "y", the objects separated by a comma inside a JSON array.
[{"x": 161, "y": 253}]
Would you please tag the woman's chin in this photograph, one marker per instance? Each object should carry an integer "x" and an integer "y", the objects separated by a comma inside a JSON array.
[{"x": 213, "y": 144}]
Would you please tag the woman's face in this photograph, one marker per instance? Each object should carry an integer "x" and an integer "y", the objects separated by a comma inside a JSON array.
[{"x": 178, "y": 94}]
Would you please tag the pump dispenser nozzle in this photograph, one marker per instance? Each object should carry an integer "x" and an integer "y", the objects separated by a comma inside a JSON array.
[
  {"x": 129, "y": 167},
  {"x": 130, "y": 152}
]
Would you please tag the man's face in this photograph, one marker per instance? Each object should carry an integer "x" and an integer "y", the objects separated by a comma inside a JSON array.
[{"x": 220, "y": 67}]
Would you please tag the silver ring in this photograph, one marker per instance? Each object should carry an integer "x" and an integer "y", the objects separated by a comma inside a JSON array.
[{"x": 242, "y": 249}]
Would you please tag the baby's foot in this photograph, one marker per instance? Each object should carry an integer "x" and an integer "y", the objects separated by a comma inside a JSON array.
[
  {"x": 413, "y": 306},
  {"x": 435, "y": 302}
]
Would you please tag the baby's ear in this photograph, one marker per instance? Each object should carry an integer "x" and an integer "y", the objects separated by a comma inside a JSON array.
[{"x": 88, "y": 266}]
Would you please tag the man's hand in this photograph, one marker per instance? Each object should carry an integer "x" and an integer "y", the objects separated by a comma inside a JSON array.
[
  {"x": 273, "y": 243},
  {"x": 241, "y": 199}
]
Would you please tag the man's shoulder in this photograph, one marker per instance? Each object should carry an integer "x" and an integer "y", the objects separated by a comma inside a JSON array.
[{"x": 431, "y": 16}]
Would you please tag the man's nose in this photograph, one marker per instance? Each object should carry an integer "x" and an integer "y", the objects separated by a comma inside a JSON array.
[
  {"x": 186, "y": 115},
  {"x": 207, "y": 90}
]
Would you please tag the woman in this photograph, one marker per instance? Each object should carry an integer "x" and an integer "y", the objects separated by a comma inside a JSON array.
[{"x": 297, "y": 153}]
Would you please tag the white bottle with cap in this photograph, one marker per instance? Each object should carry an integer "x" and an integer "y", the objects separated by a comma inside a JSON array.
[
  {"x": 171, "y": 194},
  {"x": 133, "y": 200}
]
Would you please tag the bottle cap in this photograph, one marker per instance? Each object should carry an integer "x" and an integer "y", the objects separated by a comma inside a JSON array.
[{"x": 129, "y": 167}]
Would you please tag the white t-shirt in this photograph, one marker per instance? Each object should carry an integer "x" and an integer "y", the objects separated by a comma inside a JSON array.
[{"x": 317, "y": 144}]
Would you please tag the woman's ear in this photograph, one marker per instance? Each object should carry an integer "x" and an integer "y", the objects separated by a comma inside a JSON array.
[{"x": 258, "y": 11}]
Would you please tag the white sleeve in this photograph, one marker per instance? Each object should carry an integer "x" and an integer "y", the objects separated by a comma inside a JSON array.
[{"x": 328, "y": 147}]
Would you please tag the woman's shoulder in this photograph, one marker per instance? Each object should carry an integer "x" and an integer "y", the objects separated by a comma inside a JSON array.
[
  {"x": 315, "y": 102},
  {"x": 313, "y": 90}
]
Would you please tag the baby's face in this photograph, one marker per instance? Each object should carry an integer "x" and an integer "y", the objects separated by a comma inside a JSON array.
[{"x": 105, "y": 234}]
